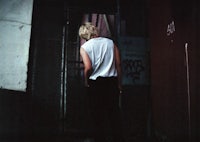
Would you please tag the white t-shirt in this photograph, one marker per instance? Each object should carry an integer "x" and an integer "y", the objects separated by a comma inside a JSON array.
[{"x": 101, "y": 53}]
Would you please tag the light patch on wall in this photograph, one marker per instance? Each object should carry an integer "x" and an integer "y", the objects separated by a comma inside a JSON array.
[{"x": 15, "y": 29}]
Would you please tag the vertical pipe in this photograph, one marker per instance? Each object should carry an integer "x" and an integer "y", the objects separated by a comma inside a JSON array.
[
  {"x": 65, "y": 66},
  {"x": 149, "y": 99},
  {"x": 107, "y": 24},
  {"x": 97, "y": 20},
  {"x": 63, "y": 85},
  {"x": 62, "y": 73},
  {"x": 118, "y": 19},
  {"x": 118, "y": 23},
  {"x": 149, "y": 115},
  {"x": 188, "y": 90}
]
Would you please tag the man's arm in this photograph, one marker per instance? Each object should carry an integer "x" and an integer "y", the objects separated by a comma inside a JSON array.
[
  {"x": 87, "y": 65},
  {"x": 118, "y": 66}
]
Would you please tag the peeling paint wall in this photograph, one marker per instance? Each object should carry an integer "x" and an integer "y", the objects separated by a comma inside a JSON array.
[{"x": 15, "y": 29}]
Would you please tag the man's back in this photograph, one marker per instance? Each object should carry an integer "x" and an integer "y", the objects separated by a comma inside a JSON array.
[{"x": 101, "y": 53}]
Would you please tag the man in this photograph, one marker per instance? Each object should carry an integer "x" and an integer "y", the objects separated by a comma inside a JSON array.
[{"x": 102, "y": 73}]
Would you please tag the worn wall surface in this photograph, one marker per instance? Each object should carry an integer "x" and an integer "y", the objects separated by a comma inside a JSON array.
[{"x": 15, "y": 30}]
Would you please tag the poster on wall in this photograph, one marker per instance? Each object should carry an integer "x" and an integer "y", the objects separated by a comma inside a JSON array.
[{"x": 134, "y": 59}]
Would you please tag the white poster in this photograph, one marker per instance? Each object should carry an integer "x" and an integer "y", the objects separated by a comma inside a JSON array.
[{"x": 134, "y": 57}]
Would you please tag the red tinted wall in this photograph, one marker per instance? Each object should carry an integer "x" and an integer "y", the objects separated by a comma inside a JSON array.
[{"x": 172, "y": 25}]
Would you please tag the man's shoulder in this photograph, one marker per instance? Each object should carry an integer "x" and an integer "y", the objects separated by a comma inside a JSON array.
[{"x": 107, "y": 39}]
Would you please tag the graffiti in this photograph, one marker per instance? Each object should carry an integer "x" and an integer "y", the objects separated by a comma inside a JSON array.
[
  {"x": 170, "y": 28},
  {"x": 133, "y": 68}
]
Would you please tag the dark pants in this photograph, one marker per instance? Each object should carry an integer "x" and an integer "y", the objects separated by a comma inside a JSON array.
[{"x": 104, "y": 106}]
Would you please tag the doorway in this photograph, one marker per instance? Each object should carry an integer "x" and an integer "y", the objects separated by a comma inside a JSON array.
[{"x": 74, "y": 101}]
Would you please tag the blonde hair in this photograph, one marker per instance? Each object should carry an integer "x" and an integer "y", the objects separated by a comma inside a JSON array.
[{"x": 88, "y": 31}]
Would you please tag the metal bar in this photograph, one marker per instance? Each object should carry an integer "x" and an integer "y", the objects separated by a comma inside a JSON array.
[
  {"x": 107, "y": 24},
  {"x": 62, "y": 73},
  {"x": 118, "y": 19},
  {"x": 66, "y": 63},
  {"x": 97, "y": 20},
  {"x": 188, "y": 90},
  {"x": 117, "y": 38}
]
